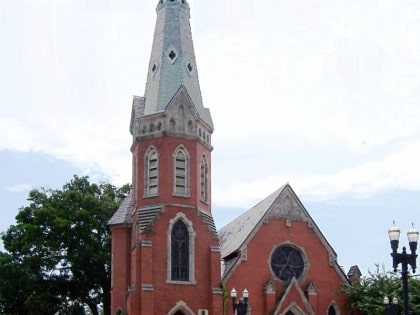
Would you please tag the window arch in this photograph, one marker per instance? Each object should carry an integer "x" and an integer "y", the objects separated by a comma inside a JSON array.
[
  {"x": 181, "y": 118},
  {"x": 181, "y": 308},
  {"x": 181, "y": 239},
  {"x": 333, "y": 309},
  {"x": 294, "y": 310},
  {"x": 180, "y": 248},
  {"x": 151, "y": 174},
  {"x": 119, "y": 311},
  {"x": 204, "y": 179},
  {"x": 181, "y": 111},
  {"x": 134, "y": 175},
  {"x": 181, "y": 166}
]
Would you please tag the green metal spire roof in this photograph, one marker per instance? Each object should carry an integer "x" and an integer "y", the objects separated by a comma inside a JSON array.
[{"x": 172, "y": 62}]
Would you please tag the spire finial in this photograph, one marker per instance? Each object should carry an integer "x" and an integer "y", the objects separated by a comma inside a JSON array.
[
  {"x": 180, "y": 1},
  {"x": 172, "y": 64}
]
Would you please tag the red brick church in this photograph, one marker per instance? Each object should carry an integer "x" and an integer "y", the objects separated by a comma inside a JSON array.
[{"x": 168, "y": 257}]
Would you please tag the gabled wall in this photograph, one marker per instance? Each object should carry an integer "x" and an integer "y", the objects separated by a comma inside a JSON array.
[
  {"x": 281, "y": 220},
  {"x": 254, "y": 272}
]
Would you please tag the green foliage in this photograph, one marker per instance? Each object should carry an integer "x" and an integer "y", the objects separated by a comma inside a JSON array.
[
  {"x": 224, "y": 297},
  {"x": 58, "y": 258},
  {"x": 414, "y": 295},
  {"x": 367, "y": 295}
]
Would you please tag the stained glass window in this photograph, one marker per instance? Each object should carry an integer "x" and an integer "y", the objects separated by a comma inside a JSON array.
[
  {"x": 287, "y": 262},
  {"x": 180, "y": 252}
]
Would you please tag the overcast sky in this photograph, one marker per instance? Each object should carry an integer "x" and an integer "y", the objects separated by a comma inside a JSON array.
[{"x": 321, "y": 94}]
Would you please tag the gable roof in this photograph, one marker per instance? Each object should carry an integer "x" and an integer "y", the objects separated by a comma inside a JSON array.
[
  {"x": 233, "y": 235},
  {"x": 183, "y": 95},
  {"x": 282, "y": 203},
  {"x": 140, "y": 120}
]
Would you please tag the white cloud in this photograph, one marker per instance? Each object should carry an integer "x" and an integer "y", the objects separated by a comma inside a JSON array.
[
  {"x": 284, "y": 81},
  {"x": 100, "y": 149},
  {"x": 323, "y": 86},
  {"x": 397, "y": 170},
  {"x": 19, "y": 188}
]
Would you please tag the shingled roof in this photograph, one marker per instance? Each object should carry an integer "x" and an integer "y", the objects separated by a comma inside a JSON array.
[
  {"x": 233, "y": 235},
  {"x": 122, "y": 215},
  {"x": 282, "y": 203},
  {"x": 172, "y": 62}
]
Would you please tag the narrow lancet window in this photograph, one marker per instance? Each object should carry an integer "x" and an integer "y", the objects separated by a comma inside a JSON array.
[
  {"x": 181, "y": 174},
  {"x": 180, "y": 248},
  {"x": 204, "y": 179},
  {"x": 151, "y": 173},
  {"x": 331, "y": 310}
]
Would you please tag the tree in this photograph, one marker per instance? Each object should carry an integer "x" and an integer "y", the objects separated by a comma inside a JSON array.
[
  {"x": 366, "y": 296},
  {"x": 59, "y": 251}
]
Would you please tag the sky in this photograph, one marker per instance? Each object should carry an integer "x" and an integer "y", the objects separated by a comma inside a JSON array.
[{"x": 324, "y": 95}]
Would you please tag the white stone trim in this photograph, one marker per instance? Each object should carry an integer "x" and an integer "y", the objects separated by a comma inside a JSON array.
[
  {"x": 192, "y": 235},
  {"x": 186, "y": 193},
  {"x": 181, "y": 306}
]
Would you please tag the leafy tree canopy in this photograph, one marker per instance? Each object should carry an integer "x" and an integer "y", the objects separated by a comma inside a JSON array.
[
  {"x": 368, "y": 294},
  {"x": 58, "y": 252}
]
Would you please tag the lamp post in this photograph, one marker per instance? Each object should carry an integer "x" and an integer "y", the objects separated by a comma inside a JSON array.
[
  {"x": 241, "y": 308},
  {"x": 391, "y": 309},
  {"x": 404, "y": 258}
]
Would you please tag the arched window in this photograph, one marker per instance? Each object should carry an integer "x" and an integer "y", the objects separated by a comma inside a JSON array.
[
  {"x": 332, "y": 310},
  {"x": 119, "y": 311},
  {"x": 181, "y": 172},
  {"x": 204, "y": 179},
  {"x": 181, "y": 118},
  {"x": 134, "y": 175},
  {"x": 181, "y": 252},
  {"x": 151, "y": 178},
  {"x": 180, "y": 249}
]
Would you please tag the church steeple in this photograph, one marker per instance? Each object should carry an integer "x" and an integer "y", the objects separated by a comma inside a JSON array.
[
  {"x": 172, "y": 107},
  {"x": 172, "y": 63},
  {"x": 165, "y": 244}
]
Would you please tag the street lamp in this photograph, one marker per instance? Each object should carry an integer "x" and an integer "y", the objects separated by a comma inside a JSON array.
[
  {"x": 404, "y": 258},
  {"x": 391, "y": 309},
  {"x": 241, "y": 308}
]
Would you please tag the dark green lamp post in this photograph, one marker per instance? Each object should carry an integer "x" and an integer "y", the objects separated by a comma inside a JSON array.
[{"x": 404, "y": 258}]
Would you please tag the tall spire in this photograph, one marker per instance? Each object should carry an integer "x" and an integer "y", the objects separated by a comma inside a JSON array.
[{"x": 172, "y": 63}]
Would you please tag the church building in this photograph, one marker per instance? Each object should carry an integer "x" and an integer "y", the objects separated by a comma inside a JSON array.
[{"x": 168, "y": 257}]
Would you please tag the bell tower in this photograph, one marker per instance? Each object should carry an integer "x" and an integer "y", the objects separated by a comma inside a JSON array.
[{"x": 165, "y": 248}]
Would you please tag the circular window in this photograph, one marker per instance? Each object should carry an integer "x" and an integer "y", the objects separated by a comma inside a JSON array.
[{"x": 287, "y": 262}]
